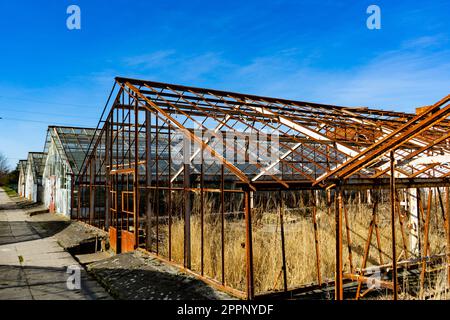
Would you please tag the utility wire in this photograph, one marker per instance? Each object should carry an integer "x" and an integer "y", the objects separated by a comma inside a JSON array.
[
  {"x": 49, "y": 114},
  {"x": 45, "y": 122},
  {"x": 48, "y": 102}
]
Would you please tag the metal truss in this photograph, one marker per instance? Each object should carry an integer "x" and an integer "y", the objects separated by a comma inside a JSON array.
[{"x": 130, "y": 185}]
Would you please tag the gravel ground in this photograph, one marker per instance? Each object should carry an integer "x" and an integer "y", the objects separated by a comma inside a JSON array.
[{"x": 137, "y": 276}]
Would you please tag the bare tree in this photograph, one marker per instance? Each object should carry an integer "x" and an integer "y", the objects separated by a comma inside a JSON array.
[{"x": 4, "y": 168}]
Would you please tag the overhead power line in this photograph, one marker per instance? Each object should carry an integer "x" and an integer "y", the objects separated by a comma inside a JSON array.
[
  {"x": 46, "y": 122},
  {"x": 49, "y": 114},
  {"x": 48, "y": 102}
]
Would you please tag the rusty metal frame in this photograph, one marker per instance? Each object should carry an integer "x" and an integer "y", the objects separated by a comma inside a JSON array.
[{"x": 323, "y": 147}]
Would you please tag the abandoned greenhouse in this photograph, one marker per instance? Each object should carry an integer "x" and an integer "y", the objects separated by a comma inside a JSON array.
[
  {"x": 22, "y": 168},
  {"x": 66, "y": 149},
  {"x": 33, "y": 177},
  {"x": 259, "y": 196}
]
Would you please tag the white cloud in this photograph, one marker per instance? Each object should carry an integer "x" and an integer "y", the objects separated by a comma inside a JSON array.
[
  {"x": 167, "y": 65},
  {"x": 396, "y": 80},
  {"x": 402, "y": 79},
  {"x": 425, "y": 41},
  {"x": 153, "y": 60}
]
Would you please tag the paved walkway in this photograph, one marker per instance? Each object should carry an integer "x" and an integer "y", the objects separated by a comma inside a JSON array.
[{"x": 33, "y": 266}]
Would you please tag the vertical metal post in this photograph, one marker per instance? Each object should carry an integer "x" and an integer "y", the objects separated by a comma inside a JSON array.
[
  {"x": 72, "y": 185},
  {"x": 136, "y": 173},
  {"x": 447, "y": 212},
  {"x": 413, "y": 209},
  {"x": 316, "y": 239},
  {"x": 80, "y": 188},
  {"x": 148, "y": 159},
  {"x": 421, "y": 220},
  {"x": 202, "y": 216},
  {"x": 441, "y": 203},
  {"x": 116, "y": 177},
  {"x": 426, "y": 242},
  {"x": 329, "y": 202},
  {"x": 107, "y": 165},
  {"x": 378, "y": 238},
  {"x": 368, "y": 243},
  {"x": 249, "y": 243},
  {"x": 400, "y": 219},
  {"x": 222, "y": 218},
  {"x": 187, "y": 217},
  {"x": 394, "y": 251},
  {"x": 157, "y": 156},
  {"x": 339, "y": 292},
  {"x": 170, "y": 190},
  {"x": 349, "y": 241},
  {"x": 91, "y": 191},
  {"x": 122, "y": 157},
  {"x": 283, "y": 248},
  {"x": 108, "y": 170}
]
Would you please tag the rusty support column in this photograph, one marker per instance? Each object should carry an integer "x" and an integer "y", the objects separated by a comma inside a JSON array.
[
  {"x": 377, "y": 233},
  {"x": 441, "y": 203},
  {"x": 447, "y": 212},
  {"x": 108, "y": 170},
  {"x": 426, "y": 242},
  {"x": 339, "y": 290},
  {"x": 157, "y": 207},
  {"x": 349, "y": 241},
  {"x": 72, "y": 186},
  {"x": 107, "y": 175},
  {"x": 202, "y": 216},
  {"x": 187, "y": 217},
  {"x": 121, "y": 128},
  {"x": 136, "y": 174},
  {"x": 368, "y": 243},
  {"x": 378, "y": 237},
  {"x": 118, "y": 199},
  {"x": 92, "y": 191},
  {"x": 80, "y": 188},
  {"x": 421, "y": 221},
  {"x": 222, "y": 220},
  {"x": 329, "y": 202},
  {"x": 249, "y": 244},
  {"x": 316, "y": 240},
  {"x": 148, "y": 150},
  {"x": 283, "y": 248},
  {"x": 413, "y": 208},
  {"x": 394, "y": 251},
  {"x": 400, "y": 219},
  {"x": 170, "y": 191}
]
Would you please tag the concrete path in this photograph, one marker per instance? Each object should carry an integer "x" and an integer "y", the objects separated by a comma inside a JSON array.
[{"x": 33, "y": 266}]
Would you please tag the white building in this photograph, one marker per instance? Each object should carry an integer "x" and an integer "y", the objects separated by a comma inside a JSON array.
[
  {"x": 33, "y": 176},
  {"x": 22, "y": 167},
  {"x": 66, "y": 149}
]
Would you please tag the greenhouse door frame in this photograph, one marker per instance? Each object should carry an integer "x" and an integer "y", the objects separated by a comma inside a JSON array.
[{"x": 123, "y": 210}]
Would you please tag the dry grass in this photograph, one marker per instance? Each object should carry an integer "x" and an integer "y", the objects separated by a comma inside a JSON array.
[
  {"x": 299, "y": 242},
  {"x": 441, "y": 289},
  {"x": 436, "y": 289}
]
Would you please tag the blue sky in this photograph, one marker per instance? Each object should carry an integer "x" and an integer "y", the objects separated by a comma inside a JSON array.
[{"x": 317, "y": 51}]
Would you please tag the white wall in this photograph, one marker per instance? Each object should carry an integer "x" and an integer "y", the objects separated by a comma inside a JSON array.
[
  {"x": 56, "y": 182},
  {"x": 21, "y": 182},
  {"x": 31, "y": 187}
]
